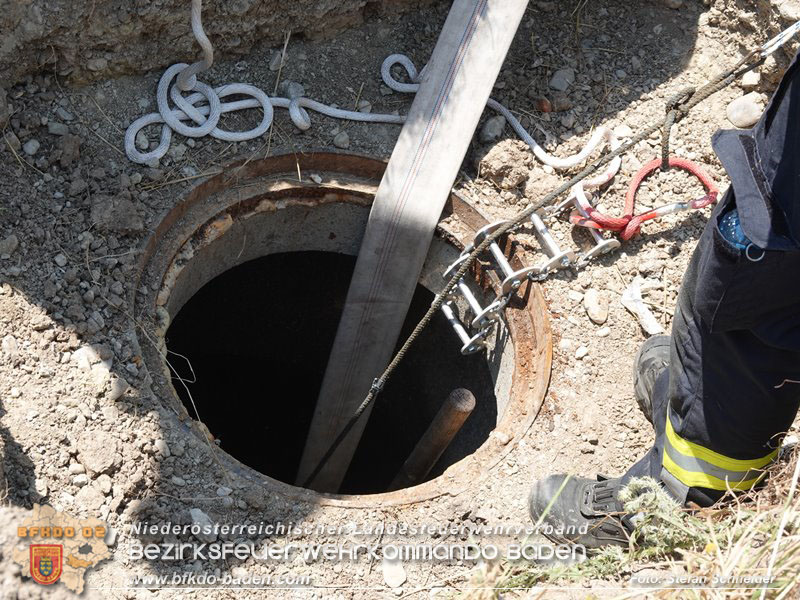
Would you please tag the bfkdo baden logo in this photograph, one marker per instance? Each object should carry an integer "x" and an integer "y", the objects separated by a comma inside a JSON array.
[
  {"x": 53, "y": 546},
  {"x": 46, "y": 562}
]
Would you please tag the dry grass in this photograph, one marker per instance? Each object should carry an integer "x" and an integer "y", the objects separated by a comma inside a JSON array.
[{"x": 753, "y": 535}]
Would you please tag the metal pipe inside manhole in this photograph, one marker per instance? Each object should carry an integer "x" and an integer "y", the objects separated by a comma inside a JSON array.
[{"x": 251, "y": 285}]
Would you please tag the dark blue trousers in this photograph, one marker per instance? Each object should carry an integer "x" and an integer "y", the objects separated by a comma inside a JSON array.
[{"x": 733, "y": 385}]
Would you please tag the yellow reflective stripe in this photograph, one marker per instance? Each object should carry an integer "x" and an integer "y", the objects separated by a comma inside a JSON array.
[
  {"x": 697, "y": 479},
  {"x": 720, "y": 460}
]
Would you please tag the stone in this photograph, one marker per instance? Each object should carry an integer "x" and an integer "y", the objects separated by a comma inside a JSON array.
[
  {"x": 162, "y": 448},
  {"x": 89, "y": 498},
  {"x": 673, "y": 4},
  {"x": 142, "y": 143},
  {"x": 789, "y": 10},
  {"x": 581, "y": 352},
  {"x": 596, "y": 306},
  {"x": 291, "y": 89},
  {"x": 750, "y": 80},
  {"x": 275, "y": 61},
  {"x": 12, "y": 140},
  {"x": 492, "y": 129},
  {"x": 116, "y": 214},
  {"x": 206, "y": 526},
  {"x": 98, "y": 451},
  {"x": 60, "y": 260},
  {"x": 56, "y": 128},
  {"x": 506, "y": 164},
  {"x": 394, "y": 575},
  {"x": 341, "y": 140},
  {"x": 744, "y": 112},
  {"x": 80, "y": 480},
  {"x": 560, "y": 102},
  {"x": 64, "y": 114},
  {"x": 96, "y": 64},
  {"x": 104, "y": 483},
  {"x": 31, "y": 147},
  {"x": 562, "y": 79},
  {"x": 9, "y": 346},
  {"x": 603, "y": 332},
  {"x": 76, "y": 469},
  {"x": 8, "y": 245}
]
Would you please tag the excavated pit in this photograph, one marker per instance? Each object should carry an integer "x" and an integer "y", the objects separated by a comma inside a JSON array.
[{"x": 246, "y": 280}]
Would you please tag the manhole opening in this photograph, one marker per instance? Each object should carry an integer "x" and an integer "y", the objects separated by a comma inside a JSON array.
[{"x": 258, "y": 337}]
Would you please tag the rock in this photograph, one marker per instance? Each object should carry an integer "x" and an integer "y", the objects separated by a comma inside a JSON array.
[
  {"x": 492, "y": 129},
  {"x": 142, "y": 143},
  {"x": 80, "y": 480},
  {"x": 9, "y": 346},
  {"x": 750, "y": 80},
  {"x": 394, "y": 575},
  {"x": 12, "y": 140},
  {"x": 560, "y": 102},
  {"x": 562, "y": 79},
  {"x": 76, "y": 468},
  {"x": 60, "y": 260},
  {"x": 507, "y": 164},
  {"x": 623, "y": 131},
  {"x": 542, "y": 104},
  {"x": 31, "y": 147},
  {"x": 104, "y": 483},
  {"x": 291, "y": 89},
  {"x": 98, "y": 451},
  {"x": 117, "y": 214},
  {"x": 789, "y": 10},
  {"x": 162, "y": 448},
  {"x": 596, "y": 306},
  {"x": 8, "y": 245},
  {"x": 342, "y": 140},
  {"x": 275, "y": 61},
  {"x": 4, "y": 111},
  {"x": 64, "y": 114},
  {"x": 179, "y": 481},
  {"x": 96, "y": 64},
  {"x": 207, "y": 527},
  {"x": 223, "y": 491},
  {"x": 89, "y": 498},
  {"x": 603, "y": 331},
  {"x": 744, "y": 112},
  {"x": 70, "y": 150},
  {"x": 56, "y": 128},
  {"x": 581, "y": 352},
  {"x": 575, "y": 295},
  {"x": 674, "y": 4}
]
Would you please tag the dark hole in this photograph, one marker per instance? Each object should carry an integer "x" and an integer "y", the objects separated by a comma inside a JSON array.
[{"x": 259, "y": 336}]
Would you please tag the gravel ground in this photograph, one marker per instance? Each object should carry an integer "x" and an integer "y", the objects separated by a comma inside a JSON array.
[{"x": 78, "y": 427}]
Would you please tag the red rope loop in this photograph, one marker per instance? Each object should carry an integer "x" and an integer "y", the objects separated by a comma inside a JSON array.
[{"x": 629, "y": 224}]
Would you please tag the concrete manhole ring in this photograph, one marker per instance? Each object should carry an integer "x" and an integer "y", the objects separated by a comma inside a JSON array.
[{"x": 320, "y": 202}]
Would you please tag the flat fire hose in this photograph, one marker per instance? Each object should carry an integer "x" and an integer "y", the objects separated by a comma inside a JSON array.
[{"x": 454, "y": 89}]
